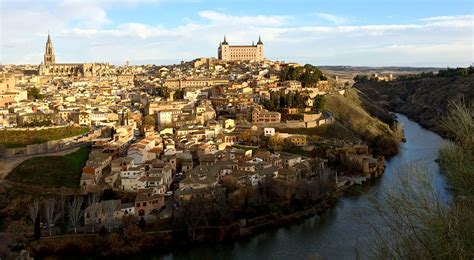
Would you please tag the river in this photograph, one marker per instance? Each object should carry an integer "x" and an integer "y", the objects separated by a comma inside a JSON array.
[{"x": 337, "y": 233}]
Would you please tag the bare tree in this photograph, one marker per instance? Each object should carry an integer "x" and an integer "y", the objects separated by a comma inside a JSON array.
[
  {"x": 109, "y": 207},
  {"x": 307, "y": 191},
  {"x": 93, "y": 199},
  {"x": 75, "y": 212},
  {"x": 195, "y": 215},
  {"x": 35, "y": 219},
  {"x": 50, "y": 214},
  {"x": 34, "y": 211},
  {"x": 326, "y": 182},
  {"x": 62, "y": 207}
]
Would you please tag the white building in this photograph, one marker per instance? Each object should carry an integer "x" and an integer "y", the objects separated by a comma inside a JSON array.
[{"x": 268, "y": 131}]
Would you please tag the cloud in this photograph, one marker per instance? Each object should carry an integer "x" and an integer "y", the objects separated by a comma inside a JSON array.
[
  {"x": 331, "y": 18},
  {"x": 90, "y": 34},
  {"x": 258, "y": 20},
  {"x": 86, "y": 14},
  {"x": 456, "y": 21}
]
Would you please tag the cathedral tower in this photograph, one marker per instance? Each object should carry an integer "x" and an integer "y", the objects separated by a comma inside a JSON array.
[{"x": 49, "y": 52}]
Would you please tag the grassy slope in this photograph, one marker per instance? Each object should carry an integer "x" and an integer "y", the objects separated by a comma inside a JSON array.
[
  {"x": 14, "y": 138},
  {"x": 336, "y": 131},
  {"x": 349, "y": 109},
  {"x": 52, "y": 171},
  {"x": 352, "y": 111},
  {"x": 357, "y": 118}
]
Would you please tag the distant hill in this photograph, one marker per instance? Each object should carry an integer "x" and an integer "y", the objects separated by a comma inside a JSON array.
[
  {"x": 424, "y": 100},
  {"x": 347, "y": 73},
  {"x": 381, "y": 69}
]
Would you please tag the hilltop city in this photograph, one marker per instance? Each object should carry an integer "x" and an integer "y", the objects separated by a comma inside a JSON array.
[
  {"x": 152, "y": 142},
  {"x": 236, "y": 129}
]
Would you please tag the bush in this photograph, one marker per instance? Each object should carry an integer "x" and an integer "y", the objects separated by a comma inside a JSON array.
[{"x": 421, "y": 225}]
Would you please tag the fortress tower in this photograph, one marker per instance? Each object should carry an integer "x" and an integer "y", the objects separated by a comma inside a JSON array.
[{"x": 240, "y": 52}]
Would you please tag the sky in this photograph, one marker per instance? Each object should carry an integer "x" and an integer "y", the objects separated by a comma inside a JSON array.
[{"x": 436, "y": 33}]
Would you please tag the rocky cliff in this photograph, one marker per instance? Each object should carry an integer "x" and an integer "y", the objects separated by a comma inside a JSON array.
[{"x": 424, "y": 100}]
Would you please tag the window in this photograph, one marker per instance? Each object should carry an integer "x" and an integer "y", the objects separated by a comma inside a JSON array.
[
  {"x": 138, "y": 204},
  {"x": 144, "y": 204}
]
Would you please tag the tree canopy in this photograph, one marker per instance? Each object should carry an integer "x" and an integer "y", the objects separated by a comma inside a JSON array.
[
  {"x": 179, "y": 94},
  {"x": 163, "y": 92},
  {"x": 361, "y": 78},
  {"x": 149, "y": 120},
  {"x": 318, "y": 103},
  {"x": 309, "y": 75},
  {"x": 34, "y": 93},
  {"x": 279, "y": 100}
]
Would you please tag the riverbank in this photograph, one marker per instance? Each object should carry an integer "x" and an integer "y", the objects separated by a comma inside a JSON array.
[
  {"x": 163, "y": 241},
  {"x": 344, "y": 231}
]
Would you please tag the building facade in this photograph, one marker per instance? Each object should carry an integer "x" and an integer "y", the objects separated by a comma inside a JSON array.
[
  {"x": 228, "y": 52},
  {"x": 261, "y": 115},
  {"x": 194, "y": 83},
  {"x": 49, "y": 67}
]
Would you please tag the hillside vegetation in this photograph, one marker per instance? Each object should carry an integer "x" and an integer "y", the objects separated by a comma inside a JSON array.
[
  {"x": 20, "y": 138},
  {"x": 368, "y": 121},
  {"x": 421, "y": 224},
  {"x": 424, "y": 99},
  {"x": 329, "y": 131},
  {"x": 52, "y": 171}
]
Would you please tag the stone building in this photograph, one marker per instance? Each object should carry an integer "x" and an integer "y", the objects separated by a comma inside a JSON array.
[
  {"x": 7, "y": 82},
  {"x": 261, "y": 115},
  {"x": 194, "y": 83},
  {"x": 49, "y": 67},
  {"x": 228, "y": 52}
]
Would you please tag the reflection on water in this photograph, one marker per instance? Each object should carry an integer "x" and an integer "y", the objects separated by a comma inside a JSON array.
[{"x": 337, "y": 233}]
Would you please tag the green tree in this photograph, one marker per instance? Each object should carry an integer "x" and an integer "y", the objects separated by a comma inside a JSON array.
[
  {"x": 318, "y": 103},
  {"x": 179, "y": 94},
  {"x": 34, "y": 93},
  {"x": 309, "y": 75},
  {"x": 163, "y": 92},
  {"x": 149, "y": 120},
  {"x": 361, "y": 78}
]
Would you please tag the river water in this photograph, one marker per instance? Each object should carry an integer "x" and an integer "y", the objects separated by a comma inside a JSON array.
[{"x": 337, "y": 233}]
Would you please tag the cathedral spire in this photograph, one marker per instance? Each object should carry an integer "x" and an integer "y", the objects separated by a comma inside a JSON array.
[
  {"x": 49, "y": 57},
  {"x": 259, "y": 40}
]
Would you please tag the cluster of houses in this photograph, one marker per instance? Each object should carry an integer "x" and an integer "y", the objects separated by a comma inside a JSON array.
[{"x": 186, "y": 139}]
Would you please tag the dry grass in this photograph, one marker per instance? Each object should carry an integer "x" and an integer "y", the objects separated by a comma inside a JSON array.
[{"x": 350, "y": 111}]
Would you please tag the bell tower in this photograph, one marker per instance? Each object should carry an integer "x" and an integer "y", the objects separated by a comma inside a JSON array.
[{"x": 49, "y": 57}]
